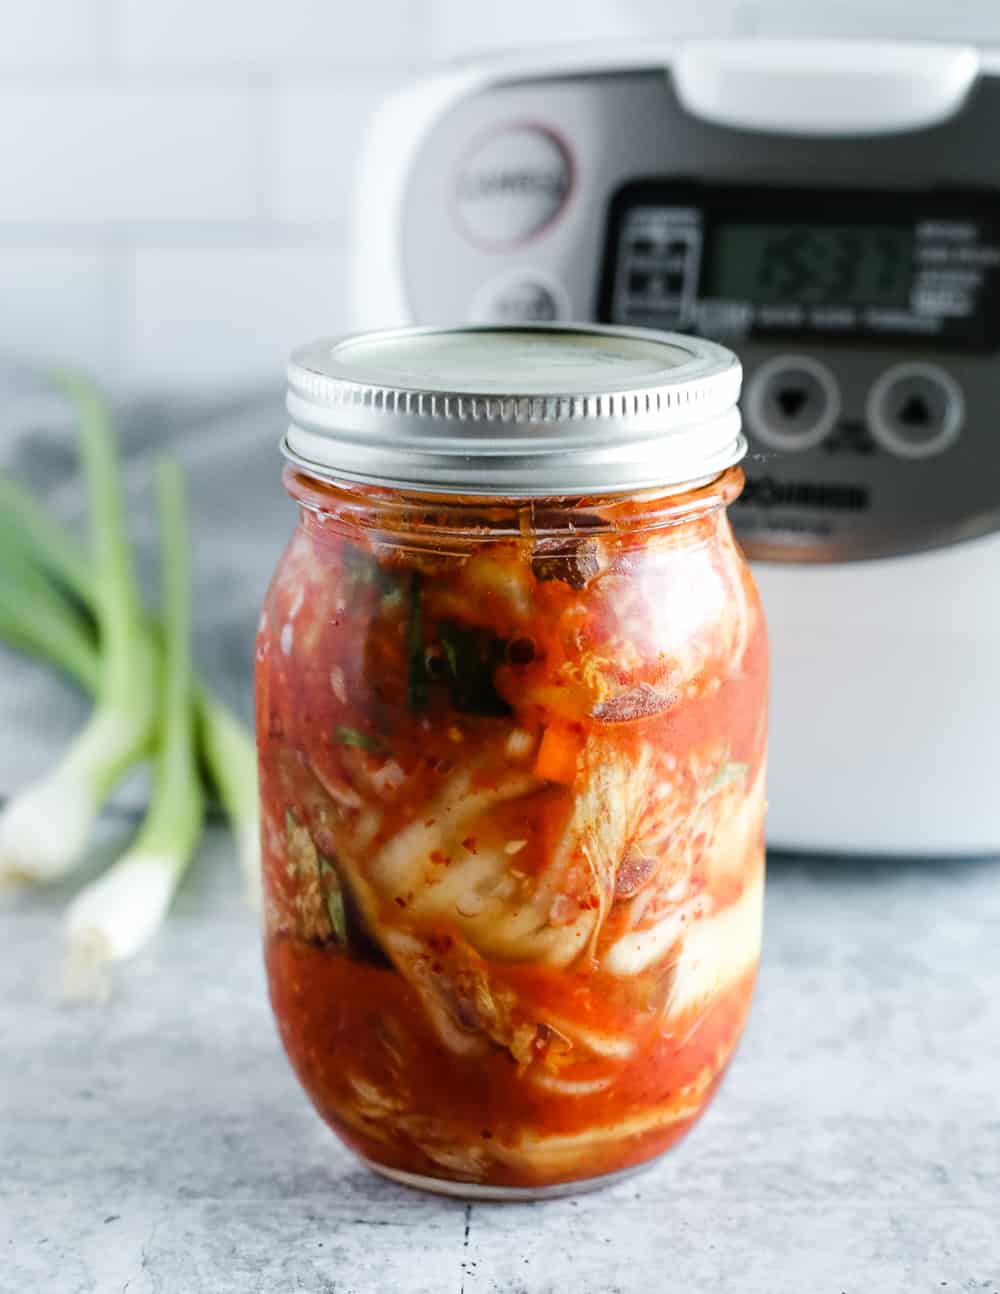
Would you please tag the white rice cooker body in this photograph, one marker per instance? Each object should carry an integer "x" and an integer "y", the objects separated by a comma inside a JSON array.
[{"x": 637, "y": 184}]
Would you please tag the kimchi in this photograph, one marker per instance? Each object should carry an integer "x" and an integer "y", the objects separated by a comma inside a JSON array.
[{"x": 512, "y": 760}]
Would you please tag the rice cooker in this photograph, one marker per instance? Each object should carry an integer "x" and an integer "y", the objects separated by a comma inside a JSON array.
[{"x": 831, "y": 210}]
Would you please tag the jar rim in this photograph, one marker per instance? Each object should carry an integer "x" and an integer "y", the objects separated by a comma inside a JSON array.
[{"x": 434, "y": 516}]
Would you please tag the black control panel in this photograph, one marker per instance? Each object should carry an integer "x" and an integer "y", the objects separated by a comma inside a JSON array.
[
  {"x": 771, "y": 263},
  {"x": 856, "y": 275}
]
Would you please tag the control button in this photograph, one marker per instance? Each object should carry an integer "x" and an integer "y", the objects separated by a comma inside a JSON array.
[
  {"x": 511, "y": 185},
  {"x": 792, "y": 402},
  {"x": 915, "y": 410},
  {"x": 521, "y": 298}
]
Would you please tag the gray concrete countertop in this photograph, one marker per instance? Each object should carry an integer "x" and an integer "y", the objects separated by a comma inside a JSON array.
[{"x": 160, "y": 1143}]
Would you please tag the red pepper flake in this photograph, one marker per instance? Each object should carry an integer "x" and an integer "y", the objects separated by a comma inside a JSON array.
[
  {"x": 438, "y": 857},
  {"x": 469, "y": 843},
  {"x": 641, "y": 702},
  {"x": 634, "y": 871},
  {"x": 467, "y": 1013},
  {"x": 401, "y": 901},
  {"x": 429, "y": 822}
]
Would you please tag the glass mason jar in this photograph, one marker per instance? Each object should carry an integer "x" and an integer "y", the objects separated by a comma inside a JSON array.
[{"x": 511, "y": 708}]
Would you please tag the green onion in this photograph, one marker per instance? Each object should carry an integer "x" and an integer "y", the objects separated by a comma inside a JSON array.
[
  {"x": 26, "y": 527},
  {"x": 231, "y": 758},
  {"x": 27, "y": 536},
  {"x": 112, "y": 917},
  {"x": 44, "y": 830},
  {"x": 353, "y": 737},
  {"x": 473, "y": 656},
  {"x": 335, "y": 907},
  {"x": 36, "y": 619},
  {"x": 416, "y": 673}
]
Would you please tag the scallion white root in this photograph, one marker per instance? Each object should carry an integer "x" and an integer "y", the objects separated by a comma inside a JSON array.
[{"x": 114, "y": 916}]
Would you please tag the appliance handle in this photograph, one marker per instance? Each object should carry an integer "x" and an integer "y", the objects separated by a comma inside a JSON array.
[{"x": 823, "y": 87}]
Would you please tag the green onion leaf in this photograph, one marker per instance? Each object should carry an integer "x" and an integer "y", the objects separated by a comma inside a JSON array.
[
  {"x": 36, "y": 619},
  {"x": 116, "y": 914},
  {"x": 473, "y": 656},
  {"x": 337, "y": 914},
  {"x": 46, "y": 625},
  {"x": 44, "y": 830},
  {"x": 416, "y": 687},
  {"x": 353, "y": 737},
  {"x": 230, "y": 756}
]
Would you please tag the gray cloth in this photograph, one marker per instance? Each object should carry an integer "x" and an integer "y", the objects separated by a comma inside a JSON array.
[{"x": 241, "y": 519}]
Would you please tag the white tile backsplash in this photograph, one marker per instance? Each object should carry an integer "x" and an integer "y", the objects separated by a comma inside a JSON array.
[
  {"x": 319, "y": 138},
  {"x": 226, "y": 316},
  {"x": 48, "y": 33},
  {"x": 266, "y": 32},
  {"x": 175, "y": 175},
  {"x": 955, "y": 20},
  {"x": 53, "y": 307},
  {"x": 117, "y": 155},
  {"x": 463, "y": 27}
]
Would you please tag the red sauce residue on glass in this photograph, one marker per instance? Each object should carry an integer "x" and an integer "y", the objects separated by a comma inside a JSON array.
[{"x": 331, "y": 1010}]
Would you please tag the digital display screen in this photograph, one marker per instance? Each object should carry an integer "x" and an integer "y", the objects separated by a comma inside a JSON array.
[
  {"x": 736, "y": 262},
  {"x": 810, "y": 264}
]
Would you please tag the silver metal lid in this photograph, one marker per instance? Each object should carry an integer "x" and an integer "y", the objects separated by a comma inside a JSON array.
[{"x": 531, "y": 410}]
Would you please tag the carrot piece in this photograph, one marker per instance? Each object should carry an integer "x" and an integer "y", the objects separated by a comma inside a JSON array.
[{"x": 557, "y": 755}]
